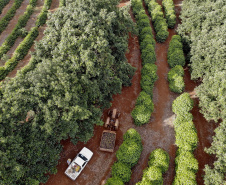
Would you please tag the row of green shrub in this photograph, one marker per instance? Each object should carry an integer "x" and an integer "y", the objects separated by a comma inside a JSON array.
[
  {"x": 22, "y": 50},
  {"x": 3, "y": 3},
  {"x": 186, "y": 141},
  {"x": 17, "y": 31},
  {"x": 158, "y": 164},
  {"x": 158, "y": 19},
  {"x": 144, "y": 105},
  {"x": 127, "y": 155},
  {"x": 9, "y": 15},
  {"x": 176, "y": 60},
  {"x": 170, "y": 14}
]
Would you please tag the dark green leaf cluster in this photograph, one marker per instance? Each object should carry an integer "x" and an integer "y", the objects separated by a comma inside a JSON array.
[
  {"x": 42, "y": 17},
  {"x": 182, "y": 104},
  {"x": 186, "y": 168},
  {"x": 122, "y": 171},
  {"x": 114, "y": 181},
  {"x": 3, "y": 3},
  {"x": 159, "y": 158},
  {"x": 158, "y": 164},
  {"x": 143, "y": 109},
  {"x": 158, "y": 19},
  {"x": 186, "y": 140},
  {"x": 175, "y": 53},
  {"x": 175, "y": 78},
  {"x": 216, "y": 175},
  {"x": 144, "y": 105},
  {"x": 76, "y": 68},
  {"x": 9, "y": 15},
  {"x": 62, "y": 3},
  {"x": 169, "y": 12},
  {"x": 128, "y": 155},
  {"x": 11, "y": 38}
]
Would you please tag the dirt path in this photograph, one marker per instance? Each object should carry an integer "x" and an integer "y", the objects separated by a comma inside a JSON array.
[
  {"x": 25, "y": 61},
  {"x": 20, "y": 11},
  {"x": 6, "y": 9},
  {"x": 158, "y": 133}
]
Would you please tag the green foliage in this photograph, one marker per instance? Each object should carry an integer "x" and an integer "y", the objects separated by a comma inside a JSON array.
[
  {"x": 62, "y": 3},
  {"x": 129, "y": 152},
  {"x": 152, "y": 175},
  {"x": 67, "y": 84},
  {"x": 143, "y": 109},
  {"x": 212, "y": 96},
  {"x": 169, "y": 12},
  {"x": 9, "y": 15},
  {"x": 148, "y": 39},
  {"x": 158, "y": 19},
  {"x": 114, "y": 181},
  {"x": 175, "y": 78},
  {"x": 218, "y": 148},
  {"x": 144, "y": 32},
  {"x": 176, "y": 58},
  {"x": 186, "y": 136},
  {"x": 148, "y": 55},
  {"x": 174, "y": 44},
  {"x": 17, "y": 31},
  {"x": 121, "y": 171},
  {"x": 182, "y": 104},
  {"x": 132, "y": 134},
  {"x": 159, "y": 158},
  {"x": 181, "y": 118},
  {"x": 3, "y": 3}
]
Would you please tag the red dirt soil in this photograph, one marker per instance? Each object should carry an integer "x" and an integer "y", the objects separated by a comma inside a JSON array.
[{"x": 158, "y": 133}]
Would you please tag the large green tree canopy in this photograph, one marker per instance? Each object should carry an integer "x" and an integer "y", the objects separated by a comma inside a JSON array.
[{"x": 79, "y": 64}]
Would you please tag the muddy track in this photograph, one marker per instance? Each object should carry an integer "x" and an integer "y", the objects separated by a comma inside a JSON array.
[
  {"x": 158, "y": 133},
  {"x": 20, "y": 11},
  {"x": 25, "y": 61}
]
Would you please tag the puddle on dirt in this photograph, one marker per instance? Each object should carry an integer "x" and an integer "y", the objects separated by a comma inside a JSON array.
[{"x": 158, "y": 133}]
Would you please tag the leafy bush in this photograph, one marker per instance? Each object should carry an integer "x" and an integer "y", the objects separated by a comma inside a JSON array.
[
  {"x": 169, "y": 12},
  {"x": 182, "y": 104},
  {"x": 175, "y": 78},
  {"x": 148, "y": 55},
  {"x": 148, "y": 39},
  {"x": 62, "y": 3},
  {"x": 121, "y": 171},
  {"x": 143, "y": 109},
  {"x": 114, "y": 181},
  {"x": 142, "y": 23},
  {"x": 153, "y": 175},
  {"x": 185, "y": 177},
  {"x": 132, "y": 134},
  {"x": 180, "y": 119},
  {"x": 144, "y": 32},
  {"x": 174, "y": 44},
  {"x": 176, "y": 58},
  {"x": 129, "y": 152},
  {"x": 159, "y": 158},
  {"x": 186, "y": 136},
  {"x": 158, "y": 19}
]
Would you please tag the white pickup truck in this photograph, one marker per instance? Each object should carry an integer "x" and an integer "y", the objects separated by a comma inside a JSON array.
[{"x": 79, "y": 163}]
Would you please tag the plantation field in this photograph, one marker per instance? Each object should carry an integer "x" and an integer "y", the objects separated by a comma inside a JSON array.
[{"x": 61, "y": 74}]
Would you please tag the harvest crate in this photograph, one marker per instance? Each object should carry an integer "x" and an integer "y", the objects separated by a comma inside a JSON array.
[{"x": 107, "y": 142}]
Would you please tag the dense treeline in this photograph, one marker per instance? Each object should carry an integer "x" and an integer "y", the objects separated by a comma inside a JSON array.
[
  {"x": 127, "y": 155},
  {"x": 79, "y": 64},
  {"x": 203, "y": 32},
  {"x": 144, "y": 104},
  {"x": 158, "y": 164}
]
